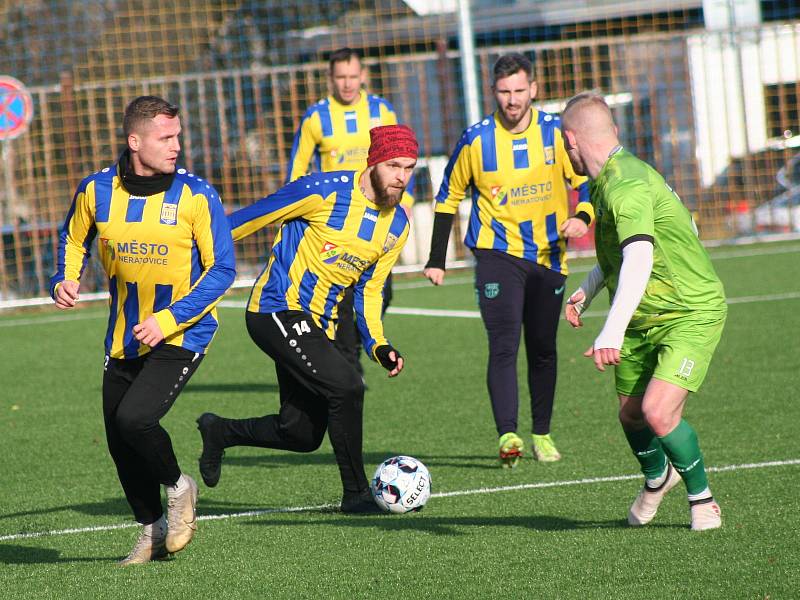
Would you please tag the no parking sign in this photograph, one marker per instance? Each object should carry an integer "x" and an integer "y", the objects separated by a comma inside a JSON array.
[{"x": 16, "y": 108}]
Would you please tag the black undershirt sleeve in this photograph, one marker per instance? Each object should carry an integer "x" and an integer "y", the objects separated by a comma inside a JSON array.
[
  {"x": 639, "y": 237},
  {"x": 583, "y": 216},
  {"x": 442, "y": 223}
]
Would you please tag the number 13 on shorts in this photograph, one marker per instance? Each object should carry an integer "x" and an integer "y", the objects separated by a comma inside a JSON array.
[{"x": 686, "y": 368}]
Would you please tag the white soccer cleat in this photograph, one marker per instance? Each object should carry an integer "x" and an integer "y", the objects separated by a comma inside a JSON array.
[
  {"x": 181, "y": 514},
  {"x": 705, "y": 514},
  {"x": 149, "y": 546},
  {"x": 645, "y": 507}
]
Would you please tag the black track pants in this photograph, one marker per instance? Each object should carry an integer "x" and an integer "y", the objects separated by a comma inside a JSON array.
[
  {"x": 137, "y": 393},
  {"x": 319, "y": 389},
  {"x": 516, "y": 295}
]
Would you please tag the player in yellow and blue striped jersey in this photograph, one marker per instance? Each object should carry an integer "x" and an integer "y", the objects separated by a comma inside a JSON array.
[
  {"x": 515, "y": 168},
  {"x": 339, "y": 229},
  {"x": 334, "y": 132},
  {"x": 166, "y": 248},
  {"x": 334, "y": 135}
]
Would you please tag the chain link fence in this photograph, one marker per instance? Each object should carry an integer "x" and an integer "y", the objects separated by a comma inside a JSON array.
[{"x": 714, "y": 108}]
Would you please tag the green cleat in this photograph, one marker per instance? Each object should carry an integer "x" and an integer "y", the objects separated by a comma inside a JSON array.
[
  {"x": 544, "y": 450},
  {"x": 511, "y": 446}
]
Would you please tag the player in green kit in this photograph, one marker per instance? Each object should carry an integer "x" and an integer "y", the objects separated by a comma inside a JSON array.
[{"x": 667, "y": 308}]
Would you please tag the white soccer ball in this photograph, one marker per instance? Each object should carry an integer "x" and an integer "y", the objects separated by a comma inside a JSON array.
[{"x": 401, "y": 484}]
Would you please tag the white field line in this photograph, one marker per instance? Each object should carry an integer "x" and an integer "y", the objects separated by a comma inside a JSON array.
[
  {"x": 248, "y": 282},
  {"x": 474, "y": 314},
  {"x": 743, "y": 253},
  {"x": 572, "y": 255},
  {"x": 434, "y": 312},
  {"x": 448, "y": 280},
  {"x": 456, "y": 280},
  {"x": 57, "y": 318},
  {"x": 591, "y": 480},
  {"x": 394, "y": 310},
  {"x": 473, "y": 492},
  {"x": 764, "y": 298},
  {"x": 737, "y": 300}
]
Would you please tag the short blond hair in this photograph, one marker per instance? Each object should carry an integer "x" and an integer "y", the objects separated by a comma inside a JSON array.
[
  {"x": 588, "y": 110},
  {"x": 592, "y": 96}
]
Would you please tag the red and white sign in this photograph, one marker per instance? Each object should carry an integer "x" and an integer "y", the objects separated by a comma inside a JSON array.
[{"x": 16, "y": 108}]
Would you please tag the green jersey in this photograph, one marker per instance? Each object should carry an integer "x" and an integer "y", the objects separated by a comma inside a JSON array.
[{"x": 633, "y": 202}]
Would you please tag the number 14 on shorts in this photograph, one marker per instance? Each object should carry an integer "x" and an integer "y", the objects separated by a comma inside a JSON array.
[{"x": 301, "y": 327}]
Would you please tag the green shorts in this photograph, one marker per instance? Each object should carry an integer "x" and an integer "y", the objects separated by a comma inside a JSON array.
[{"x": 678, "y": 351}]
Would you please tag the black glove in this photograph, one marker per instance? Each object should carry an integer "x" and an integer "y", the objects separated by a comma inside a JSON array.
[{"x": 382, "y": 354}]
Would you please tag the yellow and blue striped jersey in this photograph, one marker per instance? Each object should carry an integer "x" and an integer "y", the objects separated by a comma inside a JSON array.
[
  {"x": 169, "y": 255},
  {"x": 337, "y": 135},
  {"x": 331, "y": 237},
  {"x": 518, "y": 190}
]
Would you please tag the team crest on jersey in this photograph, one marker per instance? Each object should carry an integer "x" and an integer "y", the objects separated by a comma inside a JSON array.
[
  {"x": 499, "y": 194},
  {"x": 491, "y": 290},
  {"x": 169, "y": 214},
  {"x": 329, "y": 254},
  {"x": 549, "y": 155},
  {"x": 389, "y": 243}
]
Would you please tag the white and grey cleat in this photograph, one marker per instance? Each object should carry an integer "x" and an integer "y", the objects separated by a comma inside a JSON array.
[
  {"x": 181, "y": 514},
  {"x": 706, "y": 514},
  {"x": 645, "y": 507}
]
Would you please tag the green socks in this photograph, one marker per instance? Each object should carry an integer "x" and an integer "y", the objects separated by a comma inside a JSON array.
[
  {"x": 648, "y": 451},
  {"x": 681, "y": 446}
]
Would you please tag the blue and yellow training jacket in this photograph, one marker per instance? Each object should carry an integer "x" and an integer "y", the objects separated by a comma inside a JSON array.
[
  {"x": 169, "y": 255},
  {"x": 331, "y": 237}
]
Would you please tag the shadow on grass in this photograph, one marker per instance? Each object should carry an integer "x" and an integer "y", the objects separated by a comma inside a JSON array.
[
  {"x": 109, "y": 506},
  {"x": 452, "y": 526},
  {"x": 232, "y": 387},
  {"x": 118, "y": 507},
  {"x": 479, "y": 461},
  {"x": 11, "y": 554},
  {"x": 273, "y": 459}
]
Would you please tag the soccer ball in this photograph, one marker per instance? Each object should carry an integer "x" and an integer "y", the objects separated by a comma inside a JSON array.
[{"x": 401, "y": 484}]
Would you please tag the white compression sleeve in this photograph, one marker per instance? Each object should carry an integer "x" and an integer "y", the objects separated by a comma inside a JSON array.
[
  {"x": 637, "y": 263},
  {"x": 590, "y": 286}
]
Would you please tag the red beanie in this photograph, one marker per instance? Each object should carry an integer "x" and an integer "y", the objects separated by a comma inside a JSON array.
[{"x": 391, "y": 141}]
